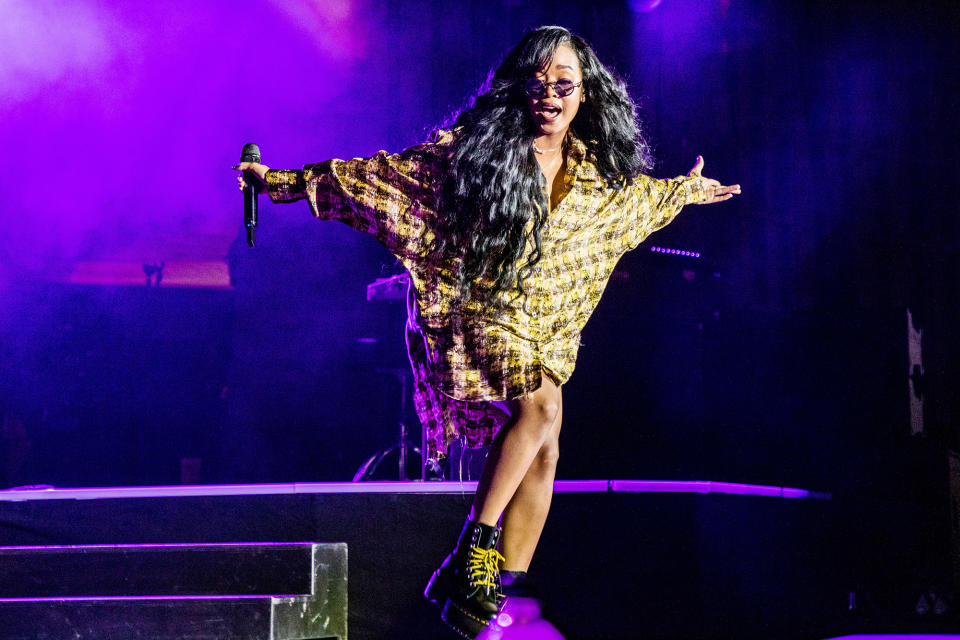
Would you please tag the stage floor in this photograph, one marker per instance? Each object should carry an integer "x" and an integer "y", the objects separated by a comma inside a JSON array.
[{"x": 44, "y": 492}]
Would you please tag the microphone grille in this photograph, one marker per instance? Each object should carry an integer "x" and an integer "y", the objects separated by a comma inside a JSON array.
[{"x": 250, "y": 153}]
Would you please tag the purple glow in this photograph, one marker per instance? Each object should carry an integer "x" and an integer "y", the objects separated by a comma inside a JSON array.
[
  {"x": 43, "y": 45},
  {"x": 334, "y": 26},
  {"x": 520, "y": 618},
  {"x": 560, "y": 486},
  {"x": 644, "y": 6},
  {"x": 734, "y": 488},
  {"x": 679, "y": 24},
  {"x": 126, "y": 116},
  {"x": 209, "y": 274},
  {"x": 583, "y": 486},
  {"x": 899, "y": 636}
]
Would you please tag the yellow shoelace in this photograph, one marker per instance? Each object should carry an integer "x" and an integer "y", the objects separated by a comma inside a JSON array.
[{"x": 483, "y": 565}]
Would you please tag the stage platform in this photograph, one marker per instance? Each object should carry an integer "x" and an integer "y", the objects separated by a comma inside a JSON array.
[
  {"x": 43, "y": 492},
  {"x": 619, "y": 558}
]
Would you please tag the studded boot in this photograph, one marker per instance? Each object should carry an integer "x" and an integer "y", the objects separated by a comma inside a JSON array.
[{"x": 466, "y": 587}]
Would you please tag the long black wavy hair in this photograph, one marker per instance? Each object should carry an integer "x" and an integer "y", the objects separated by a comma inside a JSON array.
[{"x": 494, "y": 186}]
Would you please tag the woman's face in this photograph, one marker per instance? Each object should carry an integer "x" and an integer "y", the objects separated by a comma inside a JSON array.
[{"x": 552, "y": 112}]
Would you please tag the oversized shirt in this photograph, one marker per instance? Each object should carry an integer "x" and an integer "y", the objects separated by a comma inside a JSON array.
[{"x": 465, "y": 354}]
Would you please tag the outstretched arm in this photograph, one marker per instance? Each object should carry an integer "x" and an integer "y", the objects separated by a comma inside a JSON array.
[
  {"x": 713, "y": 191},
  {"x": 388, "y": 196},
  {"x": 654, "y": 203}
]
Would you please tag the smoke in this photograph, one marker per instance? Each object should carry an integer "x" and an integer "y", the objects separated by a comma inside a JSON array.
[{"x": 121, "y": 120}]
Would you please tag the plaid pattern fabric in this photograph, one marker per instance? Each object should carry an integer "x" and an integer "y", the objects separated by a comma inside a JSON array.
[{"x": 464, "y": 354}]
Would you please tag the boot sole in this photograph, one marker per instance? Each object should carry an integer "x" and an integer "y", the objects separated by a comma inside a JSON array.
[
  {"x": 463, "y": 622},
  {"x": 453, "y": 615}
]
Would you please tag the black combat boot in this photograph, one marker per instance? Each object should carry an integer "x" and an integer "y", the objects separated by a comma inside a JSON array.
[{"x": 466, "y": 587}]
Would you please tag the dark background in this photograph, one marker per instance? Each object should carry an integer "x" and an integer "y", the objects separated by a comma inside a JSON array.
[{"x": 778, "y": 357}]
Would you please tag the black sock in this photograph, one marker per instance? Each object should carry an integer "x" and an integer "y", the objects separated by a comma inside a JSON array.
[
  {"x": 517, "y": 584},
  {"x": 508, "y": 578}
]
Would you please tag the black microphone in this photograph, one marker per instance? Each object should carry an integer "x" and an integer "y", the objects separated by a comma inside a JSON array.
[{"x": 250, "y": 153}]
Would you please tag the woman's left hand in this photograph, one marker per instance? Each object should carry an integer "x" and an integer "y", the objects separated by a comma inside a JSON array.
[{"x": 713, "y": 191}]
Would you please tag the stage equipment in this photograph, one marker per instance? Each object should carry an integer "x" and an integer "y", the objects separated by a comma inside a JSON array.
[
  {"x": 463, "y": 463},
  {"x": 250, "y": 153},
  {"x": 954, "y": 466},
  {"x": 915, "y": 376},
  {"x": 403, "y": 446},
  {"x": 389, "y": 289},
  {"x": 154, "y": 273},
  {"x": 392, "y": 289}
]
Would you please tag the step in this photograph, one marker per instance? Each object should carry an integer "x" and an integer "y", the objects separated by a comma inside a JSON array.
[
  {"x": 256, "y": 591},
  {"x": 161, "y": 569}
]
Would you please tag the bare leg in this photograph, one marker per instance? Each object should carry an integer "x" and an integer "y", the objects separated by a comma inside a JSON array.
[
  {"x": 514, "y": 450},
  {"x": 466, "y": 586},
  {"x": 526, "y": 513}
]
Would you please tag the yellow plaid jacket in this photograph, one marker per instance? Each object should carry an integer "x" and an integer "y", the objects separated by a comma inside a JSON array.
[{"x": 463, "y": 354}]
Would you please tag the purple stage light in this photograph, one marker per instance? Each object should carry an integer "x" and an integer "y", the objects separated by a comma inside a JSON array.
[
  {"x": 675, "y": 252},
  {"x": 644, "y": 6},
  {"x": 334, "y": 26},
  {"x": 47, "y": 45},
  {"x": 520, "y": 619},
  {"x": 560, "y": 486},
  {"x": 704, "y": 487}
]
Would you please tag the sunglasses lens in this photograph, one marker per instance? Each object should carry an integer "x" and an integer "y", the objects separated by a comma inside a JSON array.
[
  {"x": 563, "y": 88},
  {"x": 535, "y": 88}
]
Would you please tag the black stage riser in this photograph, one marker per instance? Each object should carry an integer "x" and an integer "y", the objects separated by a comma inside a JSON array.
[{"x": 611, "y": 565}]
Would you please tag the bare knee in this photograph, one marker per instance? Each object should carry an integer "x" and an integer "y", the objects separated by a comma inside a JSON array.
[
  {"x": 536, "y": 417},
  {"x": 537, "y": 414},
  {"x": 547, "y": 407},
  {"x": 545, "y": 403},
  {"x": 549, "y": 453}
]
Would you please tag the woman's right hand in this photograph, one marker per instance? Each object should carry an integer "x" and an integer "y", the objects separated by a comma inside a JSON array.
[{"x": 255, "y": 168}]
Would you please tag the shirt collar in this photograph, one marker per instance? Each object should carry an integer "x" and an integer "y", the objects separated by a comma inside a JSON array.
[{"x": 579, "y": 163}]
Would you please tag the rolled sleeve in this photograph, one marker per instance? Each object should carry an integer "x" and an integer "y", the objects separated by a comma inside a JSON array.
[
  {"x": 285, "y": 185},
  {"x": 654, "y": 203},
  {"x": 387, "y": 196}
]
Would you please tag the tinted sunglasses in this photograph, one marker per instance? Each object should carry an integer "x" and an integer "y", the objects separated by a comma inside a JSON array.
[{"x": 536, "y": 88}]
